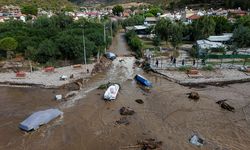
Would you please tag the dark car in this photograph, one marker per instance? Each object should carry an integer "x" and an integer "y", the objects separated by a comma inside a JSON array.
[{"x": 110, "y": 56}]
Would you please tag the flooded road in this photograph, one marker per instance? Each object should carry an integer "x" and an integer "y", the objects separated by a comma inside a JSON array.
[{"x": 89, "y": 123}]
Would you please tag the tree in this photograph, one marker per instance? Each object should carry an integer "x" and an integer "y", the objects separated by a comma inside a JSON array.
[
  {"x": 148, "y": 14},
  {"x": 222, "y": 25},
  {"x": 241, "y": 36},
  {"x": 157, "y": 40},
  {"x": 163, "y": 29},
  {"x": 117, "y": 10},
  {"x": 176, "y": 36},
  {"x": 70, "y": 46},
  {"x": 134, "y": 20},
  {"x": 244, "y": 21},
  {"x": 29, "y": 10},
  {"x": 47, "y": 51},
  {"x": 155, "y": 11},
  {"x": 203, "y": 27},
  {"x": 134, "y": 42},
  {"x": 8, "y": 44},
  {"x": 133, "y": 8}
]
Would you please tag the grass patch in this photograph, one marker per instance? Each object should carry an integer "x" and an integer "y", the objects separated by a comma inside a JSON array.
[
  {"x": 207, "y": 68},
  {"x": 184, "y": 68}
]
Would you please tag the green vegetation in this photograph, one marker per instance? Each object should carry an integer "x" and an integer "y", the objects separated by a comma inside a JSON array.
[
  {"x": 208, "y": 68},
  {"x": 134, "y": 42},
  {"x": 241, "y": 36},
  {"x": 134, "y": 20},
  {"x": 117, "y": 10},
  {"x": 184, "y": 68},
  {"x": 155, "y": 10},
  {"x": 8, "y": 44},
  {"x": 203, "y": 27},
  {"x": 56, "y": 38},
  {"x": 222, "y": 25},
  {"x": 29, "y": 10}
]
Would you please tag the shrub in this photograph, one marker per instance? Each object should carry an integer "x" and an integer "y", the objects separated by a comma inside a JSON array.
[{"x": 208, "y": 68}]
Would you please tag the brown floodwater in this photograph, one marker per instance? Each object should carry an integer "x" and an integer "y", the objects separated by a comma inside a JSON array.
[
  {"x": 89, "y": 123},
  {"x": 167, "y": 115}
]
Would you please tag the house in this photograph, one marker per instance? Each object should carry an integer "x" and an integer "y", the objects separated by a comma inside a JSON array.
[
  {"x": 225, "y": 38},
  {"x": 204, "y": 45},
  {"x": 190, "y": 19},
  {"x": 151, "y": 21},
  {"x": 2, "y": 18},
  {"x": 139, "y": 29},
  {"x": 10, "y": 10},
  {"x": 168, "y": 16},
  {"x": 237, "y": 12}
]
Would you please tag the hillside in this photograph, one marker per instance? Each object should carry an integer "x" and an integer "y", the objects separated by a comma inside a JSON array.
[{"x": 46, "y": 4}]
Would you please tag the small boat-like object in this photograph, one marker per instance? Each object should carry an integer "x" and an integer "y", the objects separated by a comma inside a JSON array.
[
  {"x": 142, "y": 80},
  {"x": 111, "y": 92},
  {"x": 39, "y": 118}
]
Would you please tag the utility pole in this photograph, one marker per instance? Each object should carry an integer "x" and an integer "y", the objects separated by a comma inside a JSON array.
[
  {"x": 111, "y": 30},
  {"x": 84, "y": 50},
  {"x": 104, "y": 37}
]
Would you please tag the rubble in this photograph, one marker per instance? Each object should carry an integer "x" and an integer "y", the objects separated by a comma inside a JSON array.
[
  {"x": 70, "y": 94},
  {"x": 139, "y": 101},
  {"x": 193, "y": 95},
  {"x": 225, "y": 105},
  {"x": 149, "y": 144},
  {"x": 196, "y": 140},
  {"x": 126, "y": 111},
  {"x": 123, "y": 120}
]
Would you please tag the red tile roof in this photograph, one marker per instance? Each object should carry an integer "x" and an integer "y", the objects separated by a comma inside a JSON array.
[{"x": 194, "y": 17}]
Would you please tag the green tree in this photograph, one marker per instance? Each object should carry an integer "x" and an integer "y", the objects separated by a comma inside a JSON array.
[
  {"x": 163, "y": 29},
  {"x": 203, "y": 27},
  {"x": 222, "y": 25},
  {"x": 157, "y": 40},
  {"x": 47, "y": 51},
  {"x": 176, "y": 35},
  {"x": 148, "y": 14},
  {"x": 8, "y": 44},
  {"x": 155, "y": 11},
  {"x": 29, "y": 10},
  {"x": 134, "y": 42},
  {"x": 134, "y": 20},
  {"x": 243, "y": 21},
  {"x": 70, "y": 46},
  {"x": 241, "y": 37},
  {"x": 117, "y": 10},
  {"x": 133, "y": 8}
]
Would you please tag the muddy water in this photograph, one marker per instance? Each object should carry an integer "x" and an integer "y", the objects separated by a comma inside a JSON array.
[
  {"x": 89, "y": 123},
  {"x": 167, "y": 115}
]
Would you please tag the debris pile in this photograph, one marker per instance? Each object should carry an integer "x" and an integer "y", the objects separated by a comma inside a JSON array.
[
  {"x": 70, "y": 94},
  {"x": 193, "y": 95},
  {"x": 123, "y": 120},
  {"x": 102, "y": 65},
  {"x": 126, "y": 111},
  {"x": 139, "y": 101},
  {"x": 225, "y": 105},
  {"x": 149, "y": 144},
  {"x": 196, "y": 140}
]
